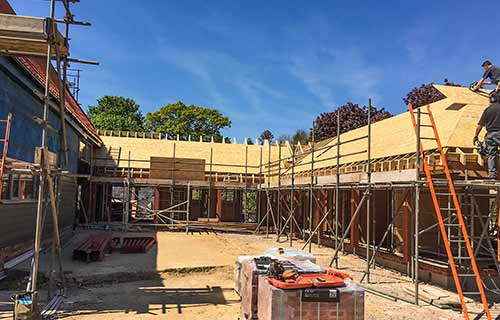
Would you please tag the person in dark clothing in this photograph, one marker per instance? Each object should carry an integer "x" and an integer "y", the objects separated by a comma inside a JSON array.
[
  {"x": 490, "y": 72},
  {"x": 491, "y": 120}
]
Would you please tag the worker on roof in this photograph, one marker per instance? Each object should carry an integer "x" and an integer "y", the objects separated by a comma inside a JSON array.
[
  {"x": 491, "y": 120},
  {"x": 492, "y": 72}
]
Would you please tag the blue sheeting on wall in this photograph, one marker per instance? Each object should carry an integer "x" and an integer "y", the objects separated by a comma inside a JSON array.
[{"x": 16, "y": 96}]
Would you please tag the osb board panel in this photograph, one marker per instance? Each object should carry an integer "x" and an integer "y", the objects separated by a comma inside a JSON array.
[
  {"x": 51, "y": 156},
  {"x": 395, "y": 136},
  {"x": 21, "y": 25},
  {"x": 180, "y": 168},
  {"x": 226, "y": 157},
  {"x": 20, "y": 28}
]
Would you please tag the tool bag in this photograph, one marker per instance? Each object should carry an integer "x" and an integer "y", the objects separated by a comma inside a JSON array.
[{"x": 23, "y": 306}]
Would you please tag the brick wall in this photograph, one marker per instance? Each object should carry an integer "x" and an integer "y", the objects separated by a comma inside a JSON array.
[{"x": 249, "y": 285}]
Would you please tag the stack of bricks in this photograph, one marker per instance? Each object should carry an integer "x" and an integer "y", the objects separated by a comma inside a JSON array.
[
  {"x": 247, "y": 277},
  {"x": 238, "y": 266},
  {"x": 249, "y": 281},
  {"x": 278, "y": 304}
]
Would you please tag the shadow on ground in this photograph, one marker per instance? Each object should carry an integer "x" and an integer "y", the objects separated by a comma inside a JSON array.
[{"x": 153, "y": 300}]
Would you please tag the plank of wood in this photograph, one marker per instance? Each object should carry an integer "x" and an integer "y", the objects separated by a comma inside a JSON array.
[
  {"x": 14, "y": 24},
  {"x": 24, "y": 35},
  {"x": 178, "y": 168}
]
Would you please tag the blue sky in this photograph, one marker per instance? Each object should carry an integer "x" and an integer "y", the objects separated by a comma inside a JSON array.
[{"x": 275, "y": 64}]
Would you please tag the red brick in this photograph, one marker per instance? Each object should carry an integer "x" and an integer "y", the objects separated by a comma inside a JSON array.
[{"x": 277, "y": 304}]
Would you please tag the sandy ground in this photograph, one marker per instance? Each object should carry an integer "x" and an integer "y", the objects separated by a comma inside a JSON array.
[{"x": 191, "y": 277}]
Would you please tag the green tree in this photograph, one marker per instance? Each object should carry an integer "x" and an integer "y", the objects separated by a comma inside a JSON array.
[
  {"x": 179, "y": 119},
  {"x": 266, "y": 135},
  {"x": 284, "y": 138},
  {"x": 116, "y": 113},
  {"x": 300, "y": 136}
]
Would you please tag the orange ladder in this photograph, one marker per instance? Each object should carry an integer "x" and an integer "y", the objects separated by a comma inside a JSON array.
[
  {"x": 5, "y": 142},
  {"x": 457, "y": 213}
]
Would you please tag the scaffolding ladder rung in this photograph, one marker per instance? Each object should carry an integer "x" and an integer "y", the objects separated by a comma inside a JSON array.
[
  {"x": 427, "y": 138},
  {"x": 472, "y": 292},
  {"x": 426, "y": 125},
  {"x": 460, "y": 237}
]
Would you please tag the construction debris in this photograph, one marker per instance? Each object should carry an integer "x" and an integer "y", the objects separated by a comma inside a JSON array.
[
  {"x": 438, "y": 298},
  {"x": 50, "y": 310}
]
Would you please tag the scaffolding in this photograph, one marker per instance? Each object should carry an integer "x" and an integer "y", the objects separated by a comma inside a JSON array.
[
  {"x": 179, "y": 181},
  {"x": 307, "y": 207},
  {"x": 326, "y": 202},
  {"x": 278, "y": 200},
  {"x": 22, "y": 36},
  {"x": 302, "y": 200}
]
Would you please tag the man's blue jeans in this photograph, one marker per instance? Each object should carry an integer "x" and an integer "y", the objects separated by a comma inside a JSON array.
[{"x": 492, "y": 144}]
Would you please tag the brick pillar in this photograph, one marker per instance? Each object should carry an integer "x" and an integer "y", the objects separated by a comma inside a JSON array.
[
  {"x": 498, "y": 230},
  {"x": 330, "y": 204},
  {"x": 407, "y": 223},
  {"x": 218, "y": 210},
  {"x": 156, "y": 204},
  {"x": 238, "y": 206},
  {"x": 319, "y": 209},
  {"x": 355, "y": 199},
  {"x": 92, "y": 201}
]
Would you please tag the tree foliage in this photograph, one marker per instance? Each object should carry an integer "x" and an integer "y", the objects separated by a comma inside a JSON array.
[
  {"x": 426, "y": 94},
  {"x": 284, "y": 138},
  {"x": 352, "y": 116},
  {"x": 183, "y": 120},
  {"x": 266, "y": 135},
  {"x": 116, "y": 113},
  {"x": 300, "y": 136}
]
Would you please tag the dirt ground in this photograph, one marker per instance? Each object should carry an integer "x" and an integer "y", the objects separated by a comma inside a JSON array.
[{"x": 190, "y": 276}]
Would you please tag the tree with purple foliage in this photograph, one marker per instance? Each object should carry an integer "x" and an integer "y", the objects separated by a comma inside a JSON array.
[
  {"x": 352, "y": 116},
  {"x": 426, "y": 94}
]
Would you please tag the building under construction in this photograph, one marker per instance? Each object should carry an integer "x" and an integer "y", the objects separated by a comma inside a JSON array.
[
  {"x": 22, "y": 88},
  {"x": 406, "y": 192},
  {"x": 365, "y": 192}
]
